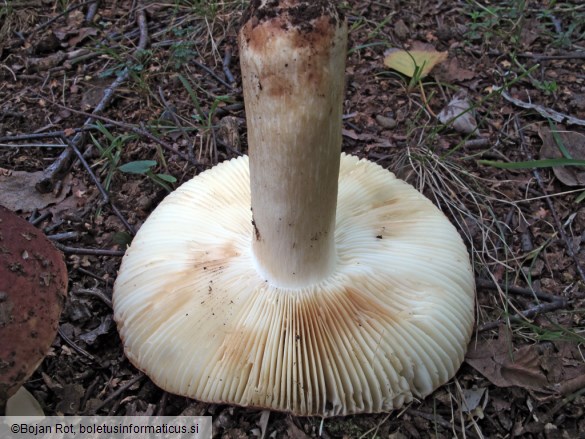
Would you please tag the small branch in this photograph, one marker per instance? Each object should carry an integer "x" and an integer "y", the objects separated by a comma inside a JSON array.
[
  {"x": 103, "y": 192},
  {"x": 31, "y": 145},
  {"x": 75, "y": 347},
  {"x": 63, "y": 236},
  {"x": 88, "y": 251},
  {"x": 555, "y": 215},
  {"x": 95, "y": 293},
  {"x": 39, "y": 219},
  {"x": 171, "y": 112},
  {"x": 526, "y": 314},
  {"x": 117, "y": 393},
  {"x": 545, "y": 112},
  {"x": 92, "y": 275},
  {"x": 127, "y": 126},
  {"x": 64, "y": 161},
  {"x": 527, "y": 292},
  {"x": 226, "y": 66},
  {"x": 49, "y": 135},
  {"x": 92, "y": 10},
  {"x": 476, "y": 143},
  {"x": 212, "y": 74},
  {"x": 433, "y": 417},
  {"x": 540, "y": 57},
  {"x": 62, "y": 14}
]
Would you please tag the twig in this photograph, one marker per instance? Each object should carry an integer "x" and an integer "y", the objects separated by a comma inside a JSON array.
[
  {"x": 62, "y": 14},
  {"x": 551, "y": 207},
  {"x": 64, "y": 161},
  {"x": 92, "y": 275},
  {"x": 490, "y": 285},
  {"x": 540, "y": 57},
  {"x": 91, "y": 11},
  {"x": 545, "y": 112},
  {"x": 31, "y": 145},
  {"x": 117, "y": 393},
  {"x": 74, "y": 346},
  {"x": 226, "y": 66},
  {"x": 212, "y": 73},
  {"x": 89, "y": 392},
  {"x": 103, "y": 192},
  {"x": 127, "y": 126},
  {"x": 526, "y": 314},
  {"x": 95, "y": 293},
  {"x": 172, "y": 114},
  {"x": 49, "y": 134},
  {"x": 433, "y": 417},
  {"x": 63, "y": 236},
  {"x": 476, "y": 143},
  {"x": 88, "y": 251},
  {"x": 40, "y": 218}
]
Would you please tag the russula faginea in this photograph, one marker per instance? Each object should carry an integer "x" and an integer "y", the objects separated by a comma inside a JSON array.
[
  {"x": 299, "y": 279},
  {"x": 33, "y": 289}
]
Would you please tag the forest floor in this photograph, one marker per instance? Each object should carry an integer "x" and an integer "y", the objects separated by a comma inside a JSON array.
[{"x": 162, "y": 79}]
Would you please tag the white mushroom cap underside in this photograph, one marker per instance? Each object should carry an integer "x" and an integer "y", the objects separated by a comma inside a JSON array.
[{"x": 392, "y": 322}]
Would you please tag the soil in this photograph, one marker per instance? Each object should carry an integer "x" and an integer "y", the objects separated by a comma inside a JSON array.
[{"x": 163, "y": 77}]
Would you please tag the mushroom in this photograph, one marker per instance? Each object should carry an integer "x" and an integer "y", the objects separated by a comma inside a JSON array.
[
  {"x": 342, "y": 290},
  {"x": 33, "y": 288}
]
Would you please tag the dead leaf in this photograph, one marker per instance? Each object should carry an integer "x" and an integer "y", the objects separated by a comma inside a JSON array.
[
  {"x": 541, "y": 368},
  {"x": 82, "y": 34},
  {"x": 293, "y": 431},
  {"x": 18, "y": 193},
  {"x": 458, "y": 114},
  {"x": 523, "y": 368},
  {"x": 228, "y": 132},
  {"x": 450, "y": 71},
  {"x": 574, "y": 143},
  {"x": 69, "y": 398},
  {"x": 350, "y": 133},
  {"x": 531, "y": 31},
  {"x": 471, "y": 399},
  {"x": 263, "y": 422},
  {"x": 407, "y": 62},
  {"x": 505, "y": 368},
  {"x": 103, "y": 328},
  {"x": 401, "y": 30},
  {"x": 75, "y": 19}
]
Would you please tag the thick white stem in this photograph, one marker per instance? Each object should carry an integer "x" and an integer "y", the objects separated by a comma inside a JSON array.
[{"x": 292, "y": 57}]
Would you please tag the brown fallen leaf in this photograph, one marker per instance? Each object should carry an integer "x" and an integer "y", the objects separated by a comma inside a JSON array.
[
  {"x": 574, "y": 143},
  {"x": 293, "y": 431},
  {"x": 18, "y": 193},
  {"x": 81, "y": 35},
  {"x": 523, "y": 368},
  {"x": 541, "y": 368},
  {"x": 504, "y": 366},
  {"x": 450, "y": 71}
]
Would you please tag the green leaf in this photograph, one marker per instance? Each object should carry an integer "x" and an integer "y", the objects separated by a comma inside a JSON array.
[
  {"x": 137, "y": 167},
  {"x": 167, "y": 177},
  {"x": 546, "y": 163}
]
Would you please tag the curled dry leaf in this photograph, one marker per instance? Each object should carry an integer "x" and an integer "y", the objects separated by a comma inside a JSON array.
[
  {"x": 451, "y": 71},
  {"x": 542, "y": 368},
  {"x": 553, "y": 142},
  {"x": 407, "y": 62},
  {"x": 18, "y": 193},
  {"x": 458, "y": 114}
]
